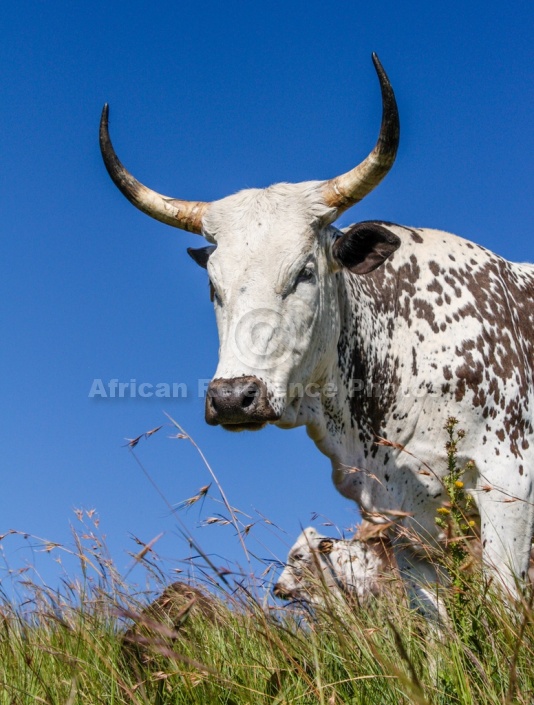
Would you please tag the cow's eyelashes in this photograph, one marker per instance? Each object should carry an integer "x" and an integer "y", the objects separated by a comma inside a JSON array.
[
  {"x": 306, "y": 274},
  {"x": 214, "y": 296}
]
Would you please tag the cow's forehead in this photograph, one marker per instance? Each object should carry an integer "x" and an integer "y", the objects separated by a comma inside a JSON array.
[
  {"x": 307, "y": 536},
  {"x": 264, "y": 217}
]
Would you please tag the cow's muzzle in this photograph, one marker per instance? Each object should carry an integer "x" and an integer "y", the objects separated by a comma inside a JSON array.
[
  {"x": 282, "y": 593},
  {"x": 239, "y": 404}
]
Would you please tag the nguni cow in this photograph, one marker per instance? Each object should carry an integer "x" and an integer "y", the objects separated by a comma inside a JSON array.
[
  {"x": 342, "y": 567},
  {"x": 374, "y": 331}
]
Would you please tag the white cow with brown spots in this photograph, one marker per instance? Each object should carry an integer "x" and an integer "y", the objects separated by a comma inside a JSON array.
[{"x": 373, "y": 331}]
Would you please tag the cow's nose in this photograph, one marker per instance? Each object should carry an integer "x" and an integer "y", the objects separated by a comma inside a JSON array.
[
  {"x": 280, "y": 592},
  {"x": 239, "y": 403}
]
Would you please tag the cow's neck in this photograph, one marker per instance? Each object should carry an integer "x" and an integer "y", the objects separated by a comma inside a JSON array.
[{"x": 364, "y": 372}]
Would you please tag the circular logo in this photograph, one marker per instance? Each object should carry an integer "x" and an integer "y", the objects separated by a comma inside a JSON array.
[{"x": 263, "y": 339}]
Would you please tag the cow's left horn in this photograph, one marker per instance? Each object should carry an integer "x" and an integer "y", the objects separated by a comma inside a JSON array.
[
  {"x": 186, "y": 215},
  {"x": 344, "y": 191}
]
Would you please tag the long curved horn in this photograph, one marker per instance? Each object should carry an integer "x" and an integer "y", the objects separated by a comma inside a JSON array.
[
  {"x": 186, "y": 215},
  {"x": 344, "y": 191}
]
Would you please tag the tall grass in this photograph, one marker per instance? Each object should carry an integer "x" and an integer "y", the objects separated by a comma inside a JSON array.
[{"x": 94, "y": 640}]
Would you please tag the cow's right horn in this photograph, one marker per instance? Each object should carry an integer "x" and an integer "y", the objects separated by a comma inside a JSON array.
[
  {"x": 344, "y": 191},
  {"x": 186, "y": 215}
]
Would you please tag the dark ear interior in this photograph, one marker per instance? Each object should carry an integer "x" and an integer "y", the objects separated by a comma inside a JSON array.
[
  {"x": 365, "y": 246},
  {"x": 325, "y": 546},
  {"x": 374, "y": 540},
  {"x": 201, "y": 255}
]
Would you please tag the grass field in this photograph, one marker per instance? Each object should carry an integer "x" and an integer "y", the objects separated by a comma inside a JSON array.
[
  {"x": 234, "y": 647},
  {"x": 94, "y": 640}
]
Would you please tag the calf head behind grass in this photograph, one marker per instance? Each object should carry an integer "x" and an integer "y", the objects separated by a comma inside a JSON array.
[{"x": 343, "y": 568}]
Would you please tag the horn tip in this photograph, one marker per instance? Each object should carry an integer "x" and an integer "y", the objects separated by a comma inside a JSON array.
[
  {"x": 105, "y": 113},
  {"x": 376, "y": 61}
]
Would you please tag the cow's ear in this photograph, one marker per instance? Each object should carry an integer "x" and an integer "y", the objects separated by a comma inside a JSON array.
[
  {"x": 364, "y": 247},
  {"x": 201, "y": 255},
  {"x": 325, "y": 546}
]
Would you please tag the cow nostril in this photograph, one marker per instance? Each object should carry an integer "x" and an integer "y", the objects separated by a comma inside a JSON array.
[
  {"x": 250, "y": 396},
  {"x": 280, "y": 593}
]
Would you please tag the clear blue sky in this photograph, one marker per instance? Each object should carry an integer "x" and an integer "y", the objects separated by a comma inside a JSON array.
[{"x": 206, "y": 99}]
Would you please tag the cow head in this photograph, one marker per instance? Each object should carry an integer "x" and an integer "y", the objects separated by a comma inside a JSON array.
[
  {"x": 271, "y": 261},
  {"x": 305, "y": 569}
]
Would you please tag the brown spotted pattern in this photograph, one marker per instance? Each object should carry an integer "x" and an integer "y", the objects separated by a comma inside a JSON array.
[{"x": 444, "y": 328}]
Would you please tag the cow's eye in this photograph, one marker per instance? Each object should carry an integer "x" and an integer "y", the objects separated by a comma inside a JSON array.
[
  {"x": 298, "y": 557},
  {"x": 306, "y": 274},
  {"x": 214, "y": 296}
]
